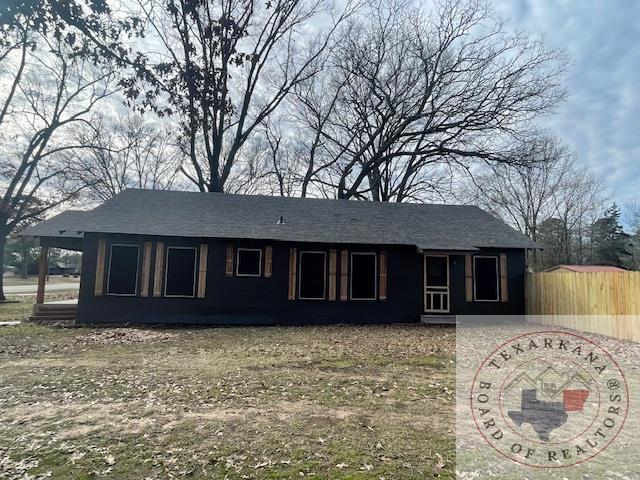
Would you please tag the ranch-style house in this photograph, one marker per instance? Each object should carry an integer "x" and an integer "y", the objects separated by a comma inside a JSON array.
[{"x": 213, "y": 258}]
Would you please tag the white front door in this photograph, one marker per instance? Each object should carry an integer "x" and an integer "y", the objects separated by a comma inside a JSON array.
[{"x": 436, "y": 283}]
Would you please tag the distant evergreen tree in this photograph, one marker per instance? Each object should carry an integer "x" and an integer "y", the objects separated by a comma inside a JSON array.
[
  {"x": 611, "y": 245},
  {"x": 22, "y": 254}
]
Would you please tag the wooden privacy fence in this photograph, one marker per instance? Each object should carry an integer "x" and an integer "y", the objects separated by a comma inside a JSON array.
[{"x": 601, "y": 302}]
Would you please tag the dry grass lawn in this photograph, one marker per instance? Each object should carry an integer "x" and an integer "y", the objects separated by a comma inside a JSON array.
[{"x": 338, "y": 402}]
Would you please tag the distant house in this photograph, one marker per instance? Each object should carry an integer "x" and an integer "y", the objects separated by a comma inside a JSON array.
[
  {"x": 584, "y": 268},
  {"x": 213, "y": 258},
  {"x": 62, "y": 268}
]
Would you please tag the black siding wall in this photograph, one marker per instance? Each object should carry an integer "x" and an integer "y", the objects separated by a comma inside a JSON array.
[
  {"x": 246, "y": 300},
  {"x": 516, "y": 269}
]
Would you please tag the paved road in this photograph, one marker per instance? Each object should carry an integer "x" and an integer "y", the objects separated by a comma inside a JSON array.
[{"x": 31, "y": 289}]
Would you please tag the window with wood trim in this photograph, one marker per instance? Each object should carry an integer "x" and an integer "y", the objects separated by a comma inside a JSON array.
[
  {"x": 180, "y": 272},
  {"x": 364, "y": 275},
  {"x": 313, "y": 267},
  {"x": 249, "y": 262},
  {"x": 123, "y": 270},
  {"x": 485, "y": 278}
]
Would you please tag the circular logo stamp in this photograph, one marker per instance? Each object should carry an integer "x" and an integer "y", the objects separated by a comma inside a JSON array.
[{"x": 549, "y": 399}]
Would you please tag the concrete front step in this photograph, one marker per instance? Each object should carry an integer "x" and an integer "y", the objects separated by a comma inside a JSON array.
[
  {"x": 54, "y": 308},
  {"x": 53, "y": 313},
  {"x": 438, "y": 319}
]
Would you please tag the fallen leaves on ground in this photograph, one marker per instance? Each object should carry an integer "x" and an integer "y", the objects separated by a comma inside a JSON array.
[{"x": 238, "y": 403}]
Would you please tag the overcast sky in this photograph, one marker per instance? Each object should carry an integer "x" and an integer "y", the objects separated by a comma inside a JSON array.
[{"x": 601, "y": 118}]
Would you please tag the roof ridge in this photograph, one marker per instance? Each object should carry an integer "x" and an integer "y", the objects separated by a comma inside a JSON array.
[{"x": 279, "y": 197}]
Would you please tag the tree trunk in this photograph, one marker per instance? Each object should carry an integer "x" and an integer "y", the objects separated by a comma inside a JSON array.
[{"x": 3, "y": 243}]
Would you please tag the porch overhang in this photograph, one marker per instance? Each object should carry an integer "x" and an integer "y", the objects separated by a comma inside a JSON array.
[
  {"x": 66, "y": 243},
  {"x": 62, "y": 231}
]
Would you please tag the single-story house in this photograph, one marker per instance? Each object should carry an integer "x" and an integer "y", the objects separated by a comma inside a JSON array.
[
  {"x": 214, "y": 258},
  {"x": 584, "y": 268}
]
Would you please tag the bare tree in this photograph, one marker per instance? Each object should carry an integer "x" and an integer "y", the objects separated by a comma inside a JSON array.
[
  {"x": 52, "y": 90},
  {"x": 526, "y": 194},
  {"x": 579, "y": 200},
  {"x": 406, "y": 93},
  {"x": 224, "y": 68},
  {"x": 282, "y": 160},
  {"x": 633, "y": 217},
  {"x": 125, "y": 152},
  {"x": 282, "y": 156},
  {"x": 544, "y": 196}
]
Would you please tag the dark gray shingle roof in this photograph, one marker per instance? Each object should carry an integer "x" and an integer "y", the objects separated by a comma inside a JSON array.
[
  {"x": 195, "y": 214},
  {"x": 68, "y": 224}
]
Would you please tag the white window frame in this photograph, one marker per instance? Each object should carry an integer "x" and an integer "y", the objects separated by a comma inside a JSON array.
[
  {"x": 475, "y": 296},
  {"x": 238, "y": 262},
  {"x": 324, "y": 275},
  {"x": 137, "y": 269},
  {"x": 195, "y": 271},
  {"x": 375, "y": 293}
]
